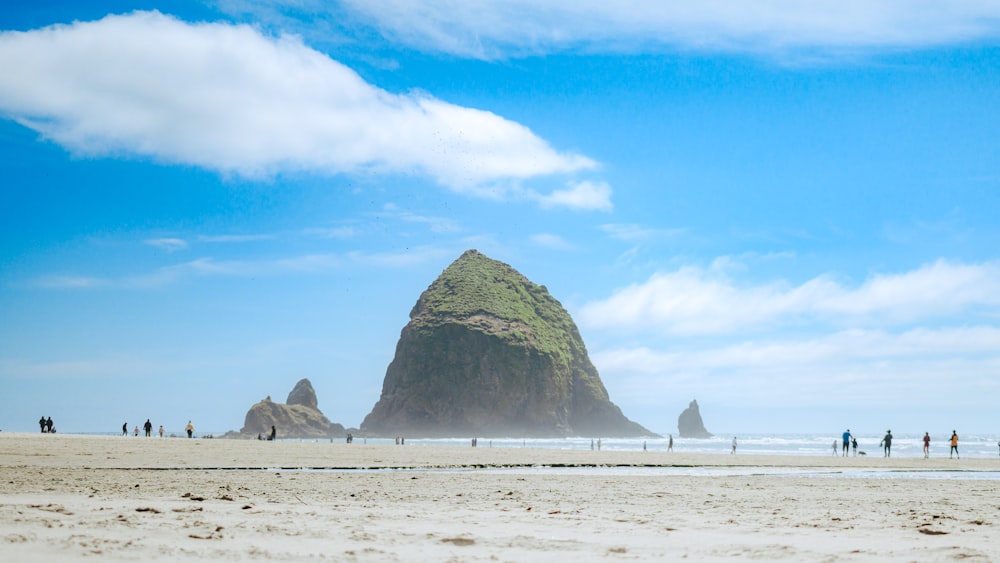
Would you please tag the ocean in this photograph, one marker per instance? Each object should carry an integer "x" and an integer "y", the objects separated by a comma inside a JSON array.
[{"x": 903, "y": 445}]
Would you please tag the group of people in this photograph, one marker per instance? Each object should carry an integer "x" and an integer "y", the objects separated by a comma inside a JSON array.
[
  {"x": 147, "y": 428},
  {"x": 849, "y": 442},
  {"x": 46, "y": 425}
]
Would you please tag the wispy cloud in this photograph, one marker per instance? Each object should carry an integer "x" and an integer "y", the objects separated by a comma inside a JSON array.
[
  {"x": 314, "y": 263},
  {"x": 168, "y": 244},
  {"x": 434, "y": 224},
  {"x": 231, "y": 99},
  {"x": 634, "y": 232},
  {"x": 234, "y": 238},
  {"x": 332, "y": 232},
  {"x": 693, "y": 300},
  {"x": 585, "y": 195},
  {"x": 494, "y": 29}
]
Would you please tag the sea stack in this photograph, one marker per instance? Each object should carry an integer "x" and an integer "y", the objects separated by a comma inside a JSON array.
[
  {"x": 489, "y": 353},
  {"x": 689, "y": 423},
  {"x": 299, "y": 417}
]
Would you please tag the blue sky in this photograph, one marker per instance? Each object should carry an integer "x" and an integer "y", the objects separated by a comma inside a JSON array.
[{"x": 784, "y": 210}]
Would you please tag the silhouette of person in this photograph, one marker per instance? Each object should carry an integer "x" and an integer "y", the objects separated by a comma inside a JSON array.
[
  {"x": 48, "y": 425},
  {"x": 148, "y": 427},
  {"x": 887, "y": 443},
  {"x": 41, "y": 424},
  {"x": 273, "y": 434},
  {"x": 927, "y": 445},
  {"x": 189, "y": 429},
  {"x": 125, "y": 429},
  {"x": 670, "y": 444},
  {"x": 854, "y": 444}
]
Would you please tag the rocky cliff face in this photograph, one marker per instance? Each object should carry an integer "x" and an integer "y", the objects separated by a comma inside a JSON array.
[
  {"x": 300, "y": 417},
  {"x": 689, "y": 423},
  {"x": 489, "y": 353}
]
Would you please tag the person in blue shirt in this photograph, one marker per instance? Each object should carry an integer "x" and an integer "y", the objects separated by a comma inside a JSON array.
[{"x": 847, "y": 442}]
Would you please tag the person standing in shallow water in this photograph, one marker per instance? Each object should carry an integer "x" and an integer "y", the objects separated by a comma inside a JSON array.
[
  {"x": 954, "y": 445},
  {"x": 927, "y": 445},
  {"x": 887, "y": 443},
  {"x": 854, "y": 444},
  {"x": 847, "y": 442}
]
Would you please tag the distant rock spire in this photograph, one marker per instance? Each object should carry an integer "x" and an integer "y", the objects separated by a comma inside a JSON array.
[{"x": 689, "y": 423}]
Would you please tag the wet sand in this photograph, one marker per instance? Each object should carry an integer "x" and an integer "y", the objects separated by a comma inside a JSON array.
[{"x": 66, "y": 497}]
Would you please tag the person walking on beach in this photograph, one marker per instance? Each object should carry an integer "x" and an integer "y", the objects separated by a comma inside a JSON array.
[
  {"x": 125, "y": 429},
  {"x": 834, "y": 447},
  {"x": 734, "y": 447},
  {"x": 136, "y": 430},
  {"x": 847, "y": 442},
  {"x": 927, "y": 445},
  {"x": 670, "y": 444},
  {"x": 954, "y": 445},
  {"x": 189, "y": 429},
  {"x": 41, "y": 424},
  {"x": 273, "y": 434},
  {"x": 148, "y": 427},
  {"x": 854, "y": 444},
  {"x": 887, "y": 443},
  {"x": 161, "y": 431},
  {"x": 48, "y": 425}
]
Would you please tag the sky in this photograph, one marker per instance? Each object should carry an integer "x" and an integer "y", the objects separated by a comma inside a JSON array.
[{"x": 785, "y": 210}]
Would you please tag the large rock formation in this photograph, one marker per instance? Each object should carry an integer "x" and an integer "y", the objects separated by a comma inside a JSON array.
[
  {"x": 489, "y": 353},
  {"x": 689, "y": 423},
  {"x": 299, "y": 417}
]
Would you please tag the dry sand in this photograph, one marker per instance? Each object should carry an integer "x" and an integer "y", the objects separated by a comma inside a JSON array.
[{"x": 102, "y": 498}]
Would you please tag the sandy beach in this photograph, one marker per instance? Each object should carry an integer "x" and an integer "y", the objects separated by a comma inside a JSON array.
[{"x": 66, "y": 497}]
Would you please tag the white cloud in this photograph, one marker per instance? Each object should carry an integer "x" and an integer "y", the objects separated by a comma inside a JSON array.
[
  {"x": 168, "y": 244},
  {"x": 580, "y": 195},
  {"x": 502, "y": 28},
  {"x": 875, "y": 369},
  {"x": 697, "y": 301},
  {"x": 228, "y": 98}
]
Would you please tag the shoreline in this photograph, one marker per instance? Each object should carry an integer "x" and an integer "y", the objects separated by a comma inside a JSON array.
[
  {"x": 78, "y": 450},
  {"x": 67, "y": 497}
]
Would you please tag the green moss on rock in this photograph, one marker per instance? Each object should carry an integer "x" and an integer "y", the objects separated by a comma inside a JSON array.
[{"x": 489, "y": 353}]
